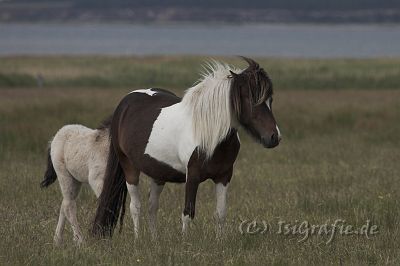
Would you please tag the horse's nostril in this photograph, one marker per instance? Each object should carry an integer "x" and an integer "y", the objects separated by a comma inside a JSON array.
[{"x": 274, "y": 138}]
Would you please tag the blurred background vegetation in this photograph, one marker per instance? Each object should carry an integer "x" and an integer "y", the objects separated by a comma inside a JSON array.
[
  {"x": 176, "y": 72},
  {"x": 293, "y": 11}
]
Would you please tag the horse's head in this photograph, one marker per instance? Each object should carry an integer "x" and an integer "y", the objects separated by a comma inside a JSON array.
[{"x": 251, "y": 99}]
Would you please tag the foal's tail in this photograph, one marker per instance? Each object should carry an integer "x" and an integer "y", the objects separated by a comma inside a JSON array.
[
  {"x": 50, "y": 176},
  {"x": 112, "y": 199}
]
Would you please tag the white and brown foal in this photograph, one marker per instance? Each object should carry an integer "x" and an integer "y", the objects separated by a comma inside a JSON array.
[{"x": 184, "y": 140}]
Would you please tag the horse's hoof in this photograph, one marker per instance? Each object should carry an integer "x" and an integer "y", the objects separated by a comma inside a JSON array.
[
  {"x": 57, "y": 241},
  {"x": 79, "y": 242}
]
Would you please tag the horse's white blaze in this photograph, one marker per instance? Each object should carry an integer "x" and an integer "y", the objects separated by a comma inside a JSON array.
[
  {"x": 171, "y": 140},
  {"x": 279, "y": 132},
  {"x": 220, "y": 193},
  {"x": 268, "y": 102},
  {"x": 146, "y": 91},
  {"x": 134, "y": 206},
  {"x": 237, "y": 135}
]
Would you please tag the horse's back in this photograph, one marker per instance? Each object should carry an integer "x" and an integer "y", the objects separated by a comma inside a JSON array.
[
  {"x": 139, "y": 109},
  {"x": 149, "y": 100}
]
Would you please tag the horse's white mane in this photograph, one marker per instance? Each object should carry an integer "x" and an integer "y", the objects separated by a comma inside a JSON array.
[{"x": 210, "y": 107}]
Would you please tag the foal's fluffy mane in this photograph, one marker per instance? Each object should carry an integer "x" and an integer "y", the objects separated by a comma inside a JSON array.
[{"x": 210, "y": 107}]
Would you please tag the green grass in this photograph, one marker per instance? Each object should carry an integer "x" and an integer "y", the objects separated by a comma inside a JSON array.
[
  {"x": 339, "y": 159},
  {"x": 181, "y": 72}
]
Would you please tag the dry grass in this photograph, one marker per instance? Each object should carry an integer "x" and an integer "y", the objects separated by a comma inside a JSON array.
[{"x": 338, "y": 159}]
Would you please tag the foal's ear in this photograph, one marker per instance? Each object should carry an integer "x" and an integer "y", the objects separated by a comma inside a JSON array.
[{"x": 233, "y": 74}]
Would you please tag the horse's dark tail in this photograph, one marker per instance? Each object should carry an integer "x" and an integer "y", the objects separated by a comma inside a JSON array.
[
  {"x": 50, "y": 175},
  {"x": 111, "y": 202}
]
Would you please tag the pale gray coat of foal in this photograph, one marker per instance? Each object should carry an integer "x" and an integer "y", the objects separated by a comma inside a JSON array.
[{"x": 76, "y": 155}]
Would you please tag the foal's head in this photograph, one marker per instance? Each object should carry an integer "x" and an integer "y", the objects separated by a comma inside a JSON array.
[{"x": 251, "y": 99}]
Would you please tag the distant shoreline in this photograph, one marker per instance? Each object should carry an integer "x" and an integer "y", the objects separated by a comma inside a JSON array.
[
  {"x": 60, "y": 14},
  {"x": 197, "y": 23}
]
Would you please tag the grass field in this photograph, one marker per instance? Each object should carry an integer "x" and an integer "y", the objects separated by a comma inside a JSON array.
[{"x": 339, "y": 159}]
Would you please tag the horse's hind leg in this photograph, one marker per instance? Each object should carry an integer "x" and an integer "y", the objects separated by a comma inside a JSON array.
[
  {"x": 70, "y": 188},
  {"x": 154, "y": 195},
  {"x": 132, "y": 182}
]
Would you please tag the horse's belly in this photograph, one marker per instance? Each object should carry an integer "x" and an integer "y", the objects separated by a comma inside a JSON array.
[
  {"x": 161, "y": 171},
  {"x": 166, "y": 154}
]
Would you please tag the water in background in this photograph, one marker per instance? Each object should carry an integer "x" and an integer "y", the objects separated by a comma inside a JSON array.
[{"x": 207, "y": 39}]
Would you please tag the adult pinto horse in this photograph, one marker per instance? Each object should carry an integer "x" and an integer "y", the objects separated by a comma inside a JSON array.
[{"x": 184, "y": 140}]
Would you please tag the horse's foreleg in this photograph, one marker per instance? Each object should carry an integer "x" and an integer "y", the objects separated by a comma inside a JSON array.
[
  {"x": 220, "y": 212},
  {"x": 221, "y": 189},
  {"x": 192, "y": 184},
  {"x": 154, "y": 195}
]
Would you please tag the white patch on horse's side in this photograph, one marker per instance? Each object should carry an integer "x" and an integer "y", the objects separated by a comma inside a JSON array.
[
  {"x": 237, "y": 135},
  {"x": 146, "y": 91},
  {"x": 171, "y": 140}
]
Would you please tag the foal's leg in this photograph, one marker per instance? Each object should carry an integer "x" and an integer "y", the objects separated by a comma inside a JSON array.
[
  {"x": 154, "y": 195},
  {"x": 70, "y": 188},
  {"x": 60, "y": 228},
  {"x": 132, "y": 183},
  {"x": 96, "y": 179}
]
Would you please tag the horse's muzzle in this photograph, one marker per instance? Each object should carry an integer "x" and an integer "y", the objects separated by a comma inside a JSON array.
[{"x": 271, "y": 142}]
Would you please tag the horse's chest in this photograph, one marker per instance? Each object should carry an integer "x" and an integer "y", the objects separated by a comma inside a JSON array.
[{"x": 220, "y": 165}]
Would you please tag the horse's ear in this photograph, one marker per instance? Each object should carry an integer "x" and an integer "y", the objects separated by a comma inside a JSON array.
[
  {"x": 233, "y": 74},
  {"x": 252, "y": 64}
]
